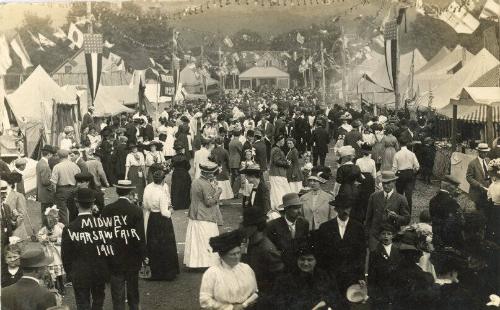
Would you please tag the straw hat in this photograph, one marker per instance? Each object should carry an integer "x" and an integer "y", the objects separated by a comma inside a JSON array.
[{"x": 388, "y": 176}]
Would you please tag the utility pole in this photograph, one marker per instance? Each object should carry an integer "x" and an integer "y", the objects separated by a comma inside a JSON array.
[
  {"x": 203, "y": 77},
  {"x": 222, "y": 79},
  {"x": 344, "y": 68},
  {"x": 323, "y": 86}
]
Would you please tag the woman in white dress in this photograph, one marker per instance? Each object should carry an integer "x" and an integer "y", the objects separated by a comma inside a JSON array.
[
  {"x": 230, "y": 284},
  {"x": 277, "y": 174},
  {"x": 203, "y": 217},
  {"x": 170, "y": 131},
  {"x": 202, "y": 155},
  {"x": 153, "y": 156}
]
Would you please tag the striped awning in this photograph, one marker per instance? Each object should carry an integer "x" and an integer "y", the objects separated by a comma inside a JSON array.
[{"x": 477, "y": 114}]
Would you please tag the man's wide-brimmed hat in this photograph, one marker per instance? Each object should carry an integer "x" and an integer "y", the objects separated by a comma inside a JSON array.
[
  {"x": 451, "y": 180},
  {"x": 85, "y": 195},
  {"x": 253, "y": 216},
  {"x": 47, "y": 148},
  {"x": 388, "y": 176},
  {"x": 208, "y": 167},
  {"x": 483, "y": 147},
  {"x": 291, "y": 200},
  {"x": 124, "y": 184},
  {"x": 357, "y": 293},
  {"x": 33, "y": 256}
]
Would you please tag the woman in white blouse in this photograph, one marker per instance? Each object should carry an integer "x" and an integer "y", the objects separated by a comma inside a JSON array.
[
  {"x": 135, "y": 170},
  {"x": 367, "y": 187},
  {"x": 161, "y": 247},
  {"x": 230, "y": 284}
]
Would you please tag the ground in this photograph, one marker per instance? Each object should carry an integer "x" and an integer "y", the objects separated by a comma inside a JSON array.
[{"x": 183, "y": 292}]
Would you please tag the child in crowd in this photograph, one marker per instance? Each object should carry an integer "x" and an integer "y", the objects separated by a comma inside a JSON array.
[
  {"x": 307, "y": 167},
  {"x": 50, "y": 237},
  {"x": 11, "y": 273},
  {"x": 428, "y": 155},
  {"x": 246, "y": 188}
]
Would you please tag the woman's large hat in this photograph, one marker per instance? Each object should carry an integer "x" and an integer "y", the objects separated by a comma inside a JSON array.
[
  {"x": 226, "y": 241},
  {"x": 347, "y": 150},
  {"x": 252, "y": 168},
  {"x": 33, "y": 256},
  {"x": 208, "y": 167}
]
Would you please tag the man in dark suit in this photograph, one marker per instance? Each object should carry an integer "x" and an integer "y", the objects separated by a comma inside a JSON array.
[
  {"x": 267, "y": 129},
  {"x": 384, "y": 261},
  {"x": 124, "y": 265},
  {"x": 478, "y": 177},
  {"x": 301, "y": 131},
  {"x": 54, "y": 159},
  {"x": 319, "y": 142},
  {"x": 280, "y": 126},
  {"x": 283, "y": 230},
  {"x": 235, "y": 153},
  {"x": 88, "y": 119},
  {"x": 28, "y": 293},
  {"x": 342, "y": 246},
  {"x": 446, "y": 215},
  {"x": 260, "y": 196},
  {"x": 44, "y": 193},
  {"x": 83, "y": 257},
  {"x": 354, "y": 137},
  {"x": 131, "y": 131},
  {"x": 120, "y": 157},
  {"x": 386, "y": 206},
  {"x": 8, "y": 221},
  {"x": 260, "y": 150},
  {"x": 106, "y": 150},
  {"x": 147, "y": 130},
  {"x": 405, "y": 133}
]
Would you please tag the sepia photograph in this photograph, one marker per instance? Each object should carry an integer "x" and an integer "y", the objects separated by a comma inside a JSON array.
[{"x": 250, "y": 154}]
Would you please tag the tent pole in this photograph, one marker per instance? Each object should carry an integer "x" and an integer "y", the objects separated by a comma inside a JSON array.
[
  {"x": 454, "y": 128},
  {"x": 489, "y": 125}
]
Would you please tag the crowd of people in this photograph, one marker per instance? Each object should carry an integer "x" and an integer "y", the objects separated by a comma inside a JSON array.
[{"x": 302, "y": 244}]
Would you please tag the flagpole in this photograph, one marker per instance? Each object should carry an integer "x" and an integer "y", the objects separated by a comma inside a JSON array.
[
  {"x": 323, "y": 91},
  {"x": 174, "y": 75},
  {"x": 344, "y": 67}
]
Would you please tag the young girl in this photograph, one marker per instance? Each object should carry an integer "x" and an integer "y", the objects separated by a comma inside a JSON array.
[
  {"x": 11, "y": 273},
  {"x": 246, "y": 188},
  {"x": 307, "y": 167},
  {"x": 50, "y": 237}
]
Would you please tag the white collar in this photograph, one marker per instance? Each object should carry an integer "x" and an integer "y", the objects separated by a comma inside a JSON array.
[
  {"x": 342, "y": 223},
  {"x": 123, "y": 197},
  {"x": 387, "y": 248},
  {"x": 288, "y": 222},
  {"x": 31, "y": 278},
  {"x": 85, "y": 213},
  {"x": 404, "y": 147},
  {"x": 389, "y": 194},
  {"x": 13, "y": 271}
]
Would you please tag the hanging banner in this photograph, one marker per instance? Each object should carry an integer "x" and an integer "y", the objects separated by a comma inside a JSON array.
[
  {"x": 167, "y": 86},
  {"x": 92, "y": 46}
]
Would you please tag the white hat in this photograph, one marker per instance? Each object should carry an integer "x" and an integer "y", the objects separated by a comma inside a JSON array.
[
  {"x": 347, "y": 150},
  {"x": 483, "y": 147}
]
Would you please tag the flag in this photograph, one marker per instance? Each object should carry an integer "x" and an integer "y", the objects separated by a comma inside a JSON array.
[
  {"x": 36, "y": 40},
  {"x": 18, "y": 47},
  {"x": 167, "y": 85},
  {"x": 114, "y": 63},
  {"x": 300, "y": 38},
  {"x": 491, "y": 10},
  {"x": 44, "y": 41},
  {"x": 75, "y": 35},
  {"x": 236, "y": 57},
  {"x": 391, "y": 49},
  {"x": 92, "y": 45},
  {"x": 459, "y": 18},
  {"x": 228, "y": 42},
  {"x": 175, "y": 37},
  {"x": 152, "y": 61},
  {"x": 107, "y": 44},
  {"x": 5, "y": 60},
  {"x": 419, "y": 7},
  {"x": 379, "y": 40},
  {"x": 60, "y": 34}
]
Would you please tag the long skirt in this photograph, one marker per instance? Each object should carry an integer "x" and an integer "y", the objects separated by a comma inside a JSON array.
[
  {"x": 388, "y": 158},
  {"x": 161, "y": 247},
  {"x": 279, "y": 187},
  {"x": 198, "y": 252},
  {"x": 137, "y": 181},
  {"x": 366, "y": 188},
  {"x": 227, "y": 191},
  {"x": 180, "y": 189},
  {"x": 295, "y": 187}
]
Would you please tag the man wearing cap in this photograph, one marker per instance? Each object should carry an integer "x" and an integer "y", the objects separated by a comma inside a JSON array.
[
  {"x": 76, "y": 157},
  {"x": 63, "y": 180},
  {"x": 315, "y": 203},
  {"x": 283, "y": 230},
  {"x": 88, "y": 119},
  {"x": 260, "y": 150},
  {"x": 406, "y": 166},
  {"x": 129, "y": 253},
  {"x": 84, "y": 258},
  {"x": 29, "y": 293},
  {"x": 44, "y": 194},
  {"x": 319, "y": 143},
  {"x": 478, "y": 177},
  {"x": 262, "y": 254},
  {"x": 342, "y": 246},
  {"x": 446, "y": 215},
  {"x": 204, "y": 215},
  {"x": 385, "y": 206},
  {"x": 235, "y": 155}
]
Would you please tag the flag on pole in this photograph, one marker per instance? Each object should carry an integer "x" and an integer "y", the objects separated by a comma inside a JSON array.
[
  {"x": 491, "y": 10},
  {"x": 300, "y": 38},
  {"x": 459, "y": 18},
  {"x": 228, "y": 42},
  {"x": 92, "y": 45},
  {"x": 60, "y": 34},
  {"x": 18, "y": 47},
  {"x": 44, "y": 41},
  {"x": 75, "y": 35},
  {"x": 36, "y": 40},
  {"x": 152, "y": 61},
  {"x": 391, "y": 49},
  {"x": 5, "y": 60}
]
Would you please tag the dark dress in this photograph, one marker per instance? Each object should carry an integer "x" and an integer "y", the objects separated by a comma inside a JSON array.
[
  {"x": 9, "y": 279},
  {"x": 182, "y": 137},
  {"x": 119, "y": 160},
  {"x": 300, "y": 290},
  {"x": 366, "y": 188},
  {"x": 181, "y": 182},
  {"x": 161, "y": 248},
  {"x": 347, "y": 175}
]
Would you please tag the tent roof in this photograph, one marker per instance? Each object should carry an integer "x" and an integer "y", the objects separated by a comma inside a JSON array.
[
  {"x": 443, "y": 62},
  {"x": 110, "y": 100},
  {"x": 489, "y": 79},
  {"x": 263, "y": 72},
  {"x": 406, "y": 60},
  {"x": 188, "y": 77},
  {"x": 38, "y": 87},
  {"x": 443, "y": 52},
  {"x": 473, "y": 69},
  {"x": 152, "y": 92},
  {"x": 472, "y": 113},
  {"x": 482, "y": 95}
]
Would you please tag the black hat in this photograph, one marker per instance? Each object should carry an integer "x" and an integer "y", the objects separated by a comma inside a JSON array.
[
  {"x": 304, "y": 246},
  {"x": 253, "y": 216},
  {"x": 83, "y": 177},
  {"x": 158, "y": 144},
  {"x": 226, "y": 241},
  {"x": 451, "y": 179},
  {"x": 178, "y": 145},
  {"x": 448, "y": 259},
  {"x": 47, "y": 148},
  {"x": 341, "y": 201},
  {"x": 386, "y": 227},
  {"x": 252, "y": 169},
  {"x": 409, "y": 240},
  {"x": 366, "y": 148},
  {"x": 13, "y": 177},
  {"x": 85, "y": 195}
]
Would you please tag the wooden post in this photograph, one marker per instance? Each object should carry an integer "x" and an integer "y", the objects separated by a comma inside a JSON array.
[
  {"x": 323, "y": 84},
  {"x": 489, "y": 125},
  {"x": 454, "y": 128}
]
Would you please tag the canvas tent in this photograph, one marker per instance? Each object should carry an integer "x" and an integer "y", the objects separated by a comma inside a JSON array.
[
  {"x": 193, "y": 81},
  {"x": 473, "y": 104},
  {"x": 39, "y": 103},
  {"x": 113, "y": 100},
  {"x": 257, "y": 76}
]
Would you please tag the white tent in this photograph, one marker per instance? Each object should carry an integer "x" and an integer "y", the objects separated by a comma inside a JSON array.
[
  {"x": 473, "y": 103},
  {"x": 111, "y": 100}
]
